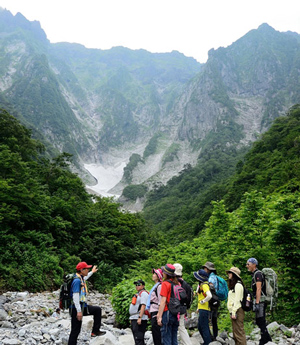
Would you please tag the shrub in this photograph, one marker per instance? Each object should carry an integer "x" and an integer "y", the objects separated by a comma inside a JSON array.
[
  {"x": 121, "y": 299},
  {"x": 135, "y": 191}
]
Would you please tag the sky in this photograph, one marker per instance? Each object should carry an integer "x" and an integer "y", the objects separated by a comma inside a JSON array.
[{"x": 192, "y": 27}]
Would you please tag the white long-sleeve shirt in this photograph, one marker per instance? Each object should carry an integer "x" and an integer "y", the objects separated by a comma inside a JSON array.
[{"x": 234, "y": 298}]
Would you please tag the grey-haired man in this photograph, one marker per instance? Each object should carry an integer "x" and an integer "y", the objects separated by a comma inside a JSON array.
[{"x": 259, "y": 305}]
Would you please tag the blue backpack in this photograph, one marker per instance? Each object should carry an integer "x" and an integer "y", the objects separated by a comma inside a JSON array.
[{"x": 221, "y": 289}]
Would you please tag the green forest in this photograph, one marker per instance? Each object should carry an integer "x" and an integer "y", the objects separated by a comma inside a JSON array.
[
  {"x": 233, "y": 205},
  {"x": 49, "y": 222},
  {"x": 252, "y": 213}
]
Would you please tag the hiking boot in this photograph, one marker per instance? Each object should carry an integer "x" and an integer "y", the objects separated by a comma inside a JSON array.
[{"x": 97, "y": 334}]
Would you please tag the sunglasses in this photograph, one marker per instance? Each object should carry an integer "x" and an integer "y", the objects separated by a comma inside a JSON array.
[{"x": 138, "y": 284}]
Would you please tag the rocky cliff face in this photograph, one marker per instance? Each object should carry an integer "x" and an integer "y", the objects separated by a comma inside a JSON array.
[
  {"x": 235, "y": 97},
  {"x": 105, "y": 106},
  {"x": 249, "y": 83}
]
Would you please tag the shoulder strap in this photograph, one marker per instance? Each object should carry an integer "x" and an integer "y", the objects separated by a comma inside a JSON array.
[
  {"x": 263, "y": 280},
  {"x": 169, "y": 280},
  {"x": 155, "y": 290},
  {"x": 218, "y": 282},
  {"x": 207, "y": 283},
  {"x": 83, "y": 283},
  {"x": 238, "y": 282},
  {"x": 140, "y": 292},
  {"x": 172, "y": 287},
  {"x": 77, "y": 275},
  {"x": 257, "y": 272}
]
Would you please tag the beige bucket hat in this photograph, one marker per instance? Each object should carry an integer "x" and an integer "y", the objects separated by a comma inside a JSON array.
[{"x": 235, "y": 271}]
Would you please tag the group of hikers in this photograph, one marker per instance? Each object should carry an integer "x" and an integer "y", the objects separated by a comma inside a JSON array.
[
  {"x": 167, "y": 302},
  {"x": 165, "y": 324}
]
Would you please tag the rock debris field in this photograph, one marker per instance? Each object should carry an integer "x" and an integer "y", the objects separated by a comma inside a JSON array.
[{"x": 25, "y": 318}]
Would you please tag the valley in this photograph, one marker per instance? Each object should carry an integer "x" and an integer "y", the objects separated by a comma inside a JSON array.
[{"x": 205, "y": 157}]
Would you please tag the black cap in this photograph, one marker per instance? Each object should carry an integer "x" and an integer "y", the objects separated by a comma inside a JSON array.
[{"x": 140, "y": 281}]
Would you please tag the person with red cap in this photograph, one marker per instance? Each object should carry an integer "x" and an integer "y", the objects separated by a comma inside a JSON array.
[{"x": 79, "y": 307}]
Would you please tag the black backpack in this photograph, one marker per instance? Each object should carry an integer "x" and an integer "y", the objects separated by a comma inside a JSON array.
[
  {"x": 189, "y": 292},
  {"x": 247, "y": 301},
  {"x": 214, "y": 302},
  {"x": 178, "y": 299},
  {"x": 65, "y": 299}
]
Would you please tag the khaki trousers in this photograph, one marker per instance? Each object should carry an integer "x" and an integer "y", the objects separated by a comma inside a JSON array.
[
  {"x": 238, "y": 331},
  {"x": 184, "y": 336}
]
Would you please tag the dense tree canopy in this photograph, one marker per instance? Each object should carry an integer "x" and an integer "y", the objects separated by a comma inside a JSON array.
[
  {"x": 48, "y": 221},
  {"x": 256, "y": 215},
  {"x": 273, "y": 163}
]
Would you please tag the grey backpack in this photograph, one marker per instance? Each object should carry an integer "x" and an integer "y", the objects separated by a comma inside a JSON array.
[{"x": 270, "y": 279}]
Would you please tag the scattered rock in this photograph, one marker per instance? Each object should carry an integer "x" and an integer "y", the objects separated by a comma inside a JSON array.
[
  {"x": 191, "y": 322},
  {"x": 250, "y": 342},
  {"x": 24, "y": 319},
  {"x": 223, "y": 335},
  {"x": 3, "y": 315},
  {"x": 272, "y": 327},
  {"x": 221, "y": 340}
]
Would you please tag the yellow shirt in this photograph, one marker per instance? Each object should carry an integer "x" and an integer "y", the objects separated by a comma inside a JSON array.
[{"x": 201, "y": 295}]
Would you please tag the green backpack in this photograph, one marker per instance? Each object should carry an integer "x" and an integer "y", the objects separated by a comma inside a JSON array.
[{"x": 270, "y": 280}]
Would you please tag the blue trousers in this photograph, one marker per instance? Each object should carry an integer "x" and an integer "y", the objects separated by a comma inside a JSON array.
[
  {"x": 203, "y": 325},
  {"x": 169, "y": 329}
]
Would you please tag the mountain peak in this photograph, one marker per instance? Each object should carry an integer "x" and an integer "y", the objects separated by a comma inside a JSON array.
[
  {"x": 9, "y": 23},
  {"x": 265, "y": 26}
]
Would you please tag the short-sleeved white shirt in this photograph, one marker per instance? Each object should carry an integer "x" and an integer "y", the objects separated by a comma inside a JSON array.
[{"x": 134, "y": 310}]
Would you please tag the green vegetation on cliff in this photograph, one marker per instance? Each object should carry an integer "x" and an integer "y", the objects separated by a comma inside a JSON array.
[
  {"x": 273, "y": 164},
  {"x": 48, "y": 222},
  {"x": 134, "y": 160},
  {"x": 256, "y": 215},
  {"x": 183, "y": 205},
  {"x": 134, "y": 191}
]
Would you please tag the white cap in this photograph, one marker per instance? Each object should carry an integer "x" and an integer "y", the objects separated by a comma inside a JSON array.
[{"x": 178, "y": 270}]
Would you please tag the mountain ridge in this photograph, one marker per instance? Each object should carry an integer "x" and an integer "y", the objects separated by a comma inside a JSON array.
[{"x": 108, "y": 105}]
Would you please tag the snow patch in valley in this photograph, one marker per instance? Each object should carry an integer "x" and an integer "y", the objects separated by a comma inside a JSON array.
[{"x": 107, "y": 177}]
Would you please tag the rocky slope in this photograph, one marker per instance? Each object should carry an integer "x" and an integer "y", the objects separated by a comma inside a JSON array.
[
  {"x": 25, "y": 318},
  {"x": 105, "y": 106}
]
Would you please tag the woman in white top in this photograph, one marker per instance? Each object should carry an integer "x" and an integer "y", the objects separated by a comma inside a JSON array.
[{"x": 237, "y": 314}]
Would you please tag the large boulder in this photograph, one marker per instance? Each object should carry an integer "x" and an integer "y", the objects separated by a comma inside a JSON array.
[{"x": 3, "y": 315}]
